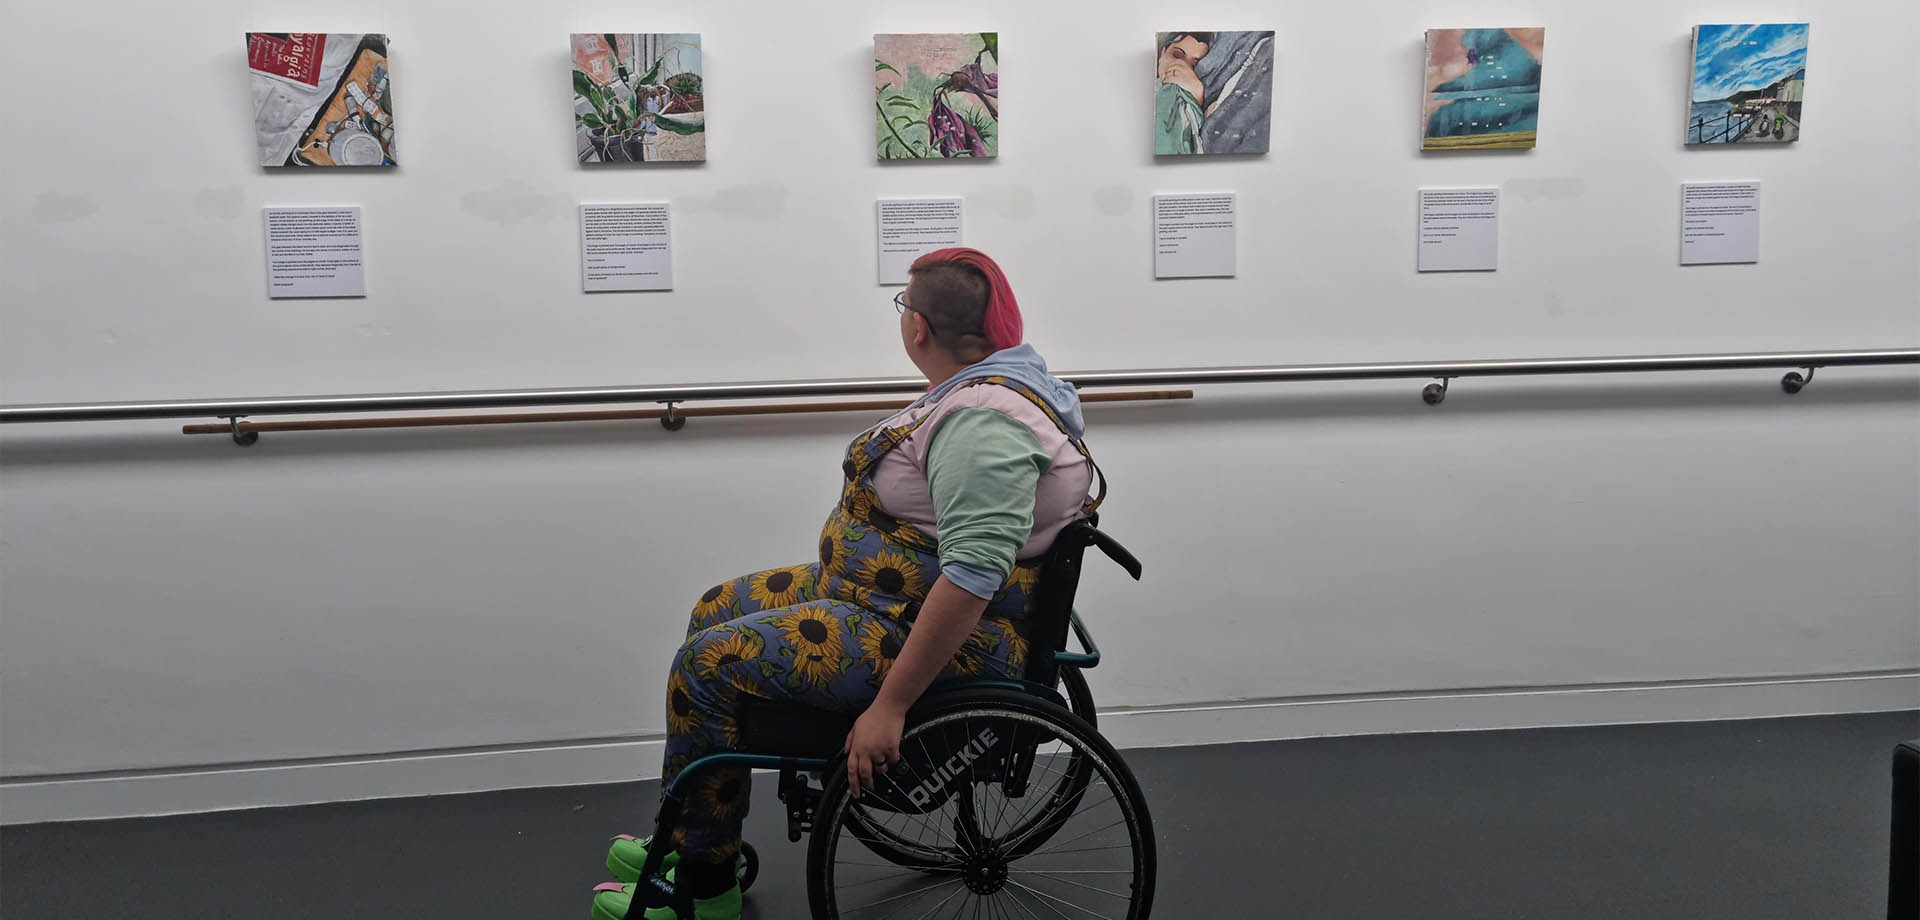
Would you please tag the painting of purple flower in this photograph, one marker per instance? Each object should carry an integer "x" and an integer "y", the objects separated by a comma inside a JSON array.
[
  {"x": 952, "y": 134},
  {"x": 936, "y": 96}
]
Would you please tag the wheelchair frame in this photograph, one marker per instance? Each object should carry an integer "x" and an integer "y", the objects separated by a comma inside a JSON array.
[{"x": 1054, "y": 617}]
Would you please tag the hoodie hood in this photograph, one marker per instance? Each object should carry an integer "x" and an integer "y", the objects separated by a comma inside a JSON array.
[{"x": 1023, "y": 365}]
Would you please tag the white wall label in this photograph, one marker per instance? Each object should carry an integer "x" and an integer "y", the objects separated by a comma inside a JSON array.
[
  {"x": 1719, "y": 222},
  {"x": 1459, "y": 229},
  {"x": 626, "y": 247},
  {"x": 1193, "y": 235},
  {"x": 315, "y": 252},
  {"x": 908, "y": 228}
]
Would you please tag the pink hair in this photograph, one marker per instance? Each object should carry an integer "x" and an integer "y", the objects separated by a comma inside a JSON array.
[{"x": 1002, "y": 325}]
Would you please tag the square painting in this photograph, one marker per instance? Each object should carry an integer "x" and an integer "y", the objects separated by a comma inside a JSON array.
[
  {"x": 638, "y": 98},
  {"x": 1482, "y": 89},
  {"x": 936, "y": 96},
  {"x": 1747, "y": 84},
  {"x": 1215, "y": 92},
  {"x": 321, "y": 98}
]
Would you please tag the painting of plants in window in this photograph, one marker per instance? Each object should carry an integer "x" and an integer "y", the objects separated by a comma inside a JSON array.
[
  {"x": 936, "y": 96},
  {"x": 638, "y": 98}
]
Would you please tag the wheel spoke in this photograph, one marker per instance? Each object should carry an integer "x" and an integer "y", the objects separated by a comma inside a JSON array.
[
  {"x": 914, "y": 893},
  {"x": 873, "y": 865},
  {"x": 1039, "y": 803},
  {"x": 1034, "y": 891},
  {"x": 994, "y": 911},
  {"x": 896, "y": 876},
  {"x": 1037, "y": 900},
  {"x": 1016, "y": 745},
  {"x": 1053, "y": 803},
  {"x": 1080, "y": 809},
  {"x": 1051, "y": 852},
  {"x": 943, "y": 902},
  {"x": 922, "y": 819},
  {"x": 1078, "y": 871},
  {"x": 1036, "y": 829},
  {"x": 872, "y": 821},
  {"x": 1013, "y": 897},
  {"x": 921, "y": 739},
  {"x": 877, "y": 828},
  {"x": 1068, "y": 881}
]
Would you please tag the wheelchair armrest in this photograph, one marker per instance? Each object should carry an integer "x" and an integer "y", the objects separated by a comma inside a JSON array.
[
  {"x": 1116, "y": 552},
  {"x": 1091, "y": 657}
]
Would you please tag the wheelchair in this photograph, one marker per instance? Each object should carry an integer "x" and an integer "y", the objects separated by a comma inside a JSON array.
[{"x": 1006, "y": 801}]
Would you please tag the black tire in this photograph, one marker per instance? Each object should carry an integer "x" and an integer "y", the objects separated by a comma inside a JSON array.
[
  {"x": 1079, "y": 697},
  {"x": 891, "y": 847},
  {"x": 985, "y": 858}
]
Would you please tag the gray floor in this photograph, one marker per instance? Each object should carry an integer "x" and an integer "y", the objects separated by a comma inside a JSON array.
[{"x": 1782, "y": 818}]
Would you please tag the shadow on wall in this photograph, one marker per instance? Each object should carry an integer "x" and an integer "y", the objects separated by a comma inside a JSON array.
[{"x": 45, "y": 445}]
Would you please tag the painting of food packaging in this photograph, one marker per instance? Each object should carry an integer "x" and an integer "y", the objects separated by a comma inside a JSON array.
[{"x": 321, "y": 98}]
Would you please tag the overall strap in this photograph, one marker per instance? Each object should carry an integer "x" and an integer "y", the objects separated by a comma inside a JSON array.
[
  {"x": 1092, "y": 502},
  {"x": 867, "y": 449}
]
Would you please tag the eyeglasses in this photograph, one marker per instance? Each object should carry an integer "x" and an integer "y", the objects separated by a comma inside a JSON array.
[{"x": 900, "y": 305}]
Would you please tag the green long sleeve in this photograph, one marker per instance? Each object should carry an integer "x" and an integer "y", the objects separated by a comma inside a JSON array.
[{"x": 983, "y": 468}]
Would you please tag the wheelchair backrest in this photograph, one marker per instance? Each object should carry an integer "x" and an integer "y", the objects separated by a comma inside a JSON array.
[
  {"x": 1053, "y": 599},
  {"x": 1054, "y": 593}
]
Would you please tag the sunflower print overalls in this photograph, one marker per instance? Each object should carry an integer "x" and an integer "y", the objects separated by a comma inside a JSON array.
[{"x": 822, "y": 634}]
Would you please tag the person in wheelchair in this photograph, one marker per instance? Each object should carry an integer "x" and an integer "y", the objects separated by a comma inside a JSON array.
[{"x": 927, "y": 568}]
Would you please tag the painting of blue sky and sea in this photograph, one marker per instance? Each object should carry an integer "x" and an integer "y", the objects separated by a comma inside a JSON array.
[
  {"x": 1482, "y": 89},
  {"x": 1747, "y": 83}
]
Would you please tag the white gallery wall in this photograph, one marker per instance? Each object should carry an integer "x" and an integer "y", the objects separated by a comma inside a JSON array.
[{"x": 186, "y": 624}]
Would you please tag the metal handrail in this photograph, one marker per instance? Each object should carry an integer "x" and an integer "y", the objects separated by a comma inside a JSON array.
[{"x": 676, "y": 393}]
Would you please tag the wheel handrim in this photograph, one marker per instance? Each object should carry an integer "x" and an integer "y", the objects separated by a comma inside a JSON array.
[
  {"x": 982, "y": 853},
  {"x": 901, "y": 851}
]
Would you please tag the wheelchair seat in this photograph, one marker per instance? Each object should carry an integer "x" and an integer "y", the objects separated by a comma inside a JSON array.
[{"x": 785, "y": 729}]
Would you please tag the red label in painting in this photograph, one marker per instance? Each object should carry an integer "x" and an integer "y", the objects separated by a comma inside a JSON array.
[{"x": 293, "y": 55}]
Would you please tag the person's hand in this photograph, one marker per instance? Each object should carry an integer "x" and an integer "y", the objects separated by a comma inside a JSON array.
[{"x": 873, "y": 744}]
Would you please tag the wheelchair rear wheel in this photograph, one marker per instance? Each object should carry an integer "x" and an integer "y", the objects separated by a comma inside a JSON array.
[
  {"x": 960, "y": 845},
  {"x": 1065, "y": 788}
]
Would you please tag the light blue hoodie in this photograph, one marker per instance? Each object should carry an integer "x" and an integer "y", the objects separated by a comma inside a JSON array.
[{"x": 1023, "y": 365}]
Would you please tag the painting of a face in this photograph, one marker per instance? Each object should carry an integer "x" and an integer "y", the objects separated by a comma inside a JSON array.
[
  {"x": 1214, "y": 92},
  {"x": 1178, "y": 59}
]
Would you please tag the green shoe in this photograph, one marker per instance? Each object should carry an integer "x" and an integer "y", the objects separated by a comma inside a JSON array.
[
  {"x": 610, "y": 902},
  {"x": 627, "y": 855}
]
